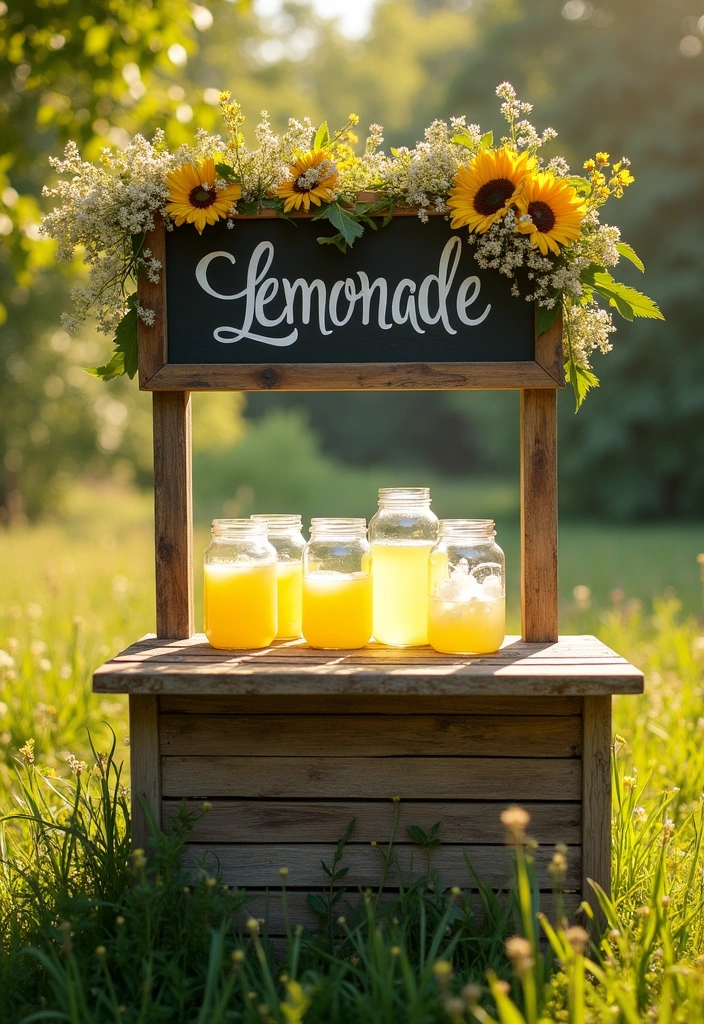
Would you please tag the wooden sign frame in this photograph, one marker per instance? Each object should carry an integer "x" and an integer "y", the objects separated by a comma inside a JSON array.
[{"x": 157, "y": 374}]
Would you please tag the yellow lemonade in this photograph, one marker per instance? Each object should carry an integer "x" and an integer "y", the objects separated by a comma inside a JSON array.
[
  {"x": 400, "y": 574},
  {"x": 289, "y": 581},
  {"x": 240, "y": 605},
  {"x": 337, "y": 609},
  {"x": 476, "y": 626}
]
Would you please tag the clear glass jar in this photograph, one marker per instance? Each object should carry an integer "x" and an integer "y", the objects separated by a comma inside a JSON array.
[
  {"x": 284, "y": 533},
  {"x": 240, "y": 585},
  {"x": 402, "y": 534},
  {"x": 337, "y": 585},
  {"x": 467, "y": 606}
]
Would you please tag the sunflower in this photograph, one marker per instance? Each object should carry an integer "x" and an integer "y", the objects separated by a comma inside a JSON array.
[
  {"x": 555, "y": 211},
  {"x": 483, "y": 190},
  {"x": 193, "y": 197},
  {"x": 312, "y": 180}
]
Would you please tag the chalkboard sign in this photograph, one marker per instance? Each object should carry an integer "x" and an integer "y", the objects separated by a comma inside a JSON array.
[{"x": 264, "y": 304}]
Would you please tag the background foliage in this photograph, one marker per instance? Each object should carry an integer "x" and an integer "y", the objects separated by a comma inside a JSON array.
[{"x": 623, "y": 75}]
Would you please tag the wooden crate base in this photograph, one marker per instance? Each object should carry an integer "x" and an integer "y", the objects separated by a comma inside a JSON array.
[{"x": 288, "y": 745}]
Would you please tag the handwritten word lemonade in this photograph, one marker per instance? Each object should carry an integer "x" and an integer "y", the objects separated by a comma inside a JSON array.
[
  {"x": 240, "y": 585},
  {"x": 467, "y": 606},
  {"x": 284, "y": 535},
  {"x": 402, "y": 533},
  {"x": 337, "y": 585}
]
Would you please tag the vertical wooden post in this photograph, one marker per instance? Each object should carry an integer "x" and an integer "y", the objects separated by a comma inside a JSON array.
[
  {"x": 596, "y": 798},
  {"x": 173, "y": 515},
  {"x": 173, "y": 539},
  {"x": 539, "y": 515}
]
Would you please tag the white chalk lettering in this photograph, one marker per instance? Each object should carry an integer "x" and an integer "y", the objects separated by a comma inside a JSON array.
[{"x": 269, "y": 301}]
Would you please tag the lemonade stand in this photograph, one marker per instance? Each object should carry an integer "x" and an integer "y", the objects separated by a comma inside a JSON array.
[{"x": 422, "y": 285}]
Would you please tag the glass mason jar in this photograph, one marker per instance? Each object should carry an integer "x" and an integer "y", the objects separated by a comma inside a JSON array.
[
  {"x": 284, "y": 533},
  {"x": 402, "y": 534},
  {"x": 337, "y": 584},
  {"x": 240, "y": 585},
  {"x": 467, "y": 606}
]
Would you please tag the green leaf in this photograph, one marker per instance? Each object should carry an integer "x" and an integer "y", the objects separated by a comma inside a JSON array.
[
  {"x": 582, "y": 380},
  {"x": 322, "y": 136},
  {"x": 545, "y": 318},
  {"x": 463, "y": 140},
  {"x": 487, "y": 140},
  {"x": 579, "y": 184},
  {"x": 417, "y": 835},
  {"x": 630, "y": 254},
  {"x": 124, "y": 359},
  {"x": 629, "y": 301},
  {"x": 115, "y": 368},
  {"x": 336, "y": 240},
  {"x": 225, "y": 171},
  {"x": 348, "y": 226},
  {"x": 317, "y": 904}
]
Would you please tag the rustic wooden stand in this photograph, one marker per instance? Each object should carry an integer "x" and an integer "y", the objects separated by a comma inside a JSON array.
[{"x": 288, "y": 744}]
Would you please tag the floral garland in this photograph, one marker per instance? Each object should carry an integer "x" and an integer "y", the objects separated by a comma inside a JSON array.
[{"x": 530, "y": 220}]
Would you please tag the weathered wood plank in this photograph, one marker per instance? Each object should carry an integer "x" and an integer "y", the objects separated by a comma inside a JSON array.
[
  {"x": 378, "y": 705},
  {"x": 306, "y": 821},
  {"x": 145, "y": 765},
  {"x": 152, "y": 295},
  {"x": 369, "y": 736},
  {"x": 596, "y": 797},
  {"x": 511, "y": 680},
  {"x": 173, "y": 518},
  {"x": 350, "y": 377},
  {"x": 268, "y": 908},
  {"x": 428, "y": 778},
  {"x": 258, "y": 865},
  {"x": 539, "y": 613}
]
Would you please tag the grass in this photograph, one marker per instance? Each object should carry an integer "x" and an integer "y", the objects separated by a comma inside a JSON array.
[{"x": 90, "y": 934}]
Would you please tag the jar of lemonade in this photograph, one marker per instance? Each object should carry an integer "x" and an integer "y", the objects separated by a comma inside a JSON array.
[
  {"x": 402, "y": 534},
  {"x": 240, "y": 585},
  {"x": 337, "y": 584},
  {"x": 284, "y": 533},
  {"x": 466, "y": 610}
]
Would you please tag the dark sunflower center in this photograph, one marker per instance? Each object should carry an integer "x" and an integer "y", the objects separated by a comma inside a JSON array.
[
  {"x": 541, "y": 215},
  {"x": 202, "y": 197},
  {"x": 491, "y": 197},
  {"x": 300, "y": 185}
]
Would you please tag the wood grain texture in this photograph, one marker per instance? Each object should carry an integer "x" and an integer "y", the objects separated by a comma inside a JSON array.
[
  {"x": 596, "y": 797},
  {"x": 258, "y": 865},
  {"x": 549, "y": 352},
  {"x": 539, "y": 608},
  {"x": 145, "y": 766},
  {"x": 573, "y": 667},
  {"x": 321, "y": 821},
  {"x": 373, "y": 778},
  {"x": 173, "y": 516},
  {"x": 196, "y": 704},
  {"x": 369, "y": 736},
  {"x": 152, "y": 295},
  {"x": 351, "y": 377}
]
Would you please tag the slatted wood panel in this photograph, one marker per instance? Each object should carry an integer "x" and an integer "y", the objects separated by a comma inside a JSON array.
[
  {"x": 573, "y": 666},
  {"x": 258, "y": 865},
  {"x": 369, "y": 778},
  {"x": 324, "y": 821},
  {"x": 348, "y": 735}
]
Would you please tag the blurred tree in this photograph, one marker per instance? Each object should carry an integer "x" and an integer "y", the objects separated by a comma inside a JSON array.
[
  {"x": 93, "y": 71},
  {"x": 625, "y": 76}
]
